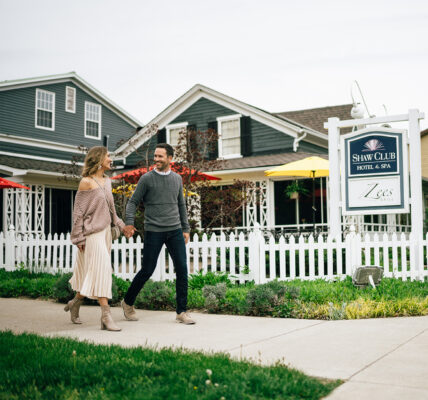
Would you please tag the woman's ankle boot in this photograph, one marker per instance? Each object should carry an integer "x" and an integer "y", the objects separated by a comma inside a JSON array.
[
  {"x": 107, "y": 320},
  {"x": 74, "y": 306}
]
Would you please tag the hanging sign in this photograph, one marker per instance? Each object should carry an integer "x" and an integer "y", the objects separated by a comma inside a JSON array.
[{"x": 374, "y": 172}]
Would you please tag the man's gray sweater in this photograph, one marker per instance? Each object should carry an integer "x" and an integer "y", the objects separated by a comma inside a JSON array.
[{"x": 164, "y": 206}]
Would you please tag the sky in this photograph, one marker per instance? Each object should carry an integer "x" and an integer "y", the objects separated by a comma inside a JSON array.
[{"x": 275, "y": 55}]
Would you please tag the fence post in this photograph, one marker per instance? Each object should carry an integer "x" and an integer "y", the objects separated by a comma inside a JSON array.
[
  {"x": 254, "y": 244},
  {"x": 353, "y": 248},
  {"x": 10, "y": 249}
]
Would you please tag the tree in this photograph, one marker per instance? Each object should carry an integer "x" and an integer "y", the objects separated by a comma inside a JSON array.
[{"x": 213, "y": 205}]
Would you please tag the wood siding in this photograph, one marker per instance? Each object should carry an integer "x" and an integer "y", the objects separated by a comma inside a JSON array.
[{"x": 17, "y": 117}]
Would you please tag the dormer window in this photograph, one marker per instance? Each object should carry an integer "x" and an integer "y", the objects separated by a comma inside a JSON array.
[
  {"x": 45, "y": 110},
  {"x": 92, "y": 120},
  {"x": 70, "y": 99},
  {"x": 229, "y": 136},
  {"x": 173, "y": 133}
]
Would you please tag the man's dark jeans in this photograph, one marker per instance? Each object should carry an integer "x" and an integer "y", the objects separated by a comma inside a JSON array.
[{"x": 153, "y": 242}]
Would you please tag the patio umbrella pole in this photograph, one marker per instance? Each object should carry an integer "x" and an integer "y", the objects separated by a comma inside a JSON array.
[{"x": 313, "y": 199}]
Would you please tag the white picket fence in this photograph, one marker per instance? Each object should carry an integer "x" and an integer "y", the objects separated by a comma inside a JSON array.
[{"x": 244, "y": 257}]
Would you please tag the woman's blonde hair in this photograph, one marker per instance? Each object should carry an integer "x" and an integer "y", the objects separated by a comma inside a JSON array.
[{"x": 93, "y": 160}]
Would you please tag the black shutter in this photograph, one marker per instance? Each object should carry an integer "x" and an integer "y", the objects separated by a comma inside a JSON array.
[
  {"x": 213, "y": 153},
  {"x": 246, "y": 145},
  {"x": 162, "y": 135}
]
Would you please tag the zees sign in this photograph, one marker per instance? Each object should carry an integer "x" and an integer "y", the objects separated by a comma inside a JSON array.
[{"x": 374, "y": 172}]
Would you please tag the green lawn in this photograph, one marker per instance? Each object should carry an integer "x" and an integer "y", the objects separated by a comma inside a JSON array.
[{"x": 34, "y": 367}]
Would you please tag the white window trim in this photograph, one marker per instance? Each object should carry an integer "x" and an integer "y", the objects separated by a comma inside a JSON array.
[
  {"x": 53, "y": 111},
  {"x": 183, "y": 125},
  {"x": 74, "y": 97},
  {"x": 220, "y": 142},
  {"x": 99, "y": 130}
]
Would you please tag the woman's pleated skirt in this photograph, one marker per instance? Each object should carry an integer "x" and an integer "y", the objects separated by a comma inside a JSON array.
[{"x": 92, "y": 269}]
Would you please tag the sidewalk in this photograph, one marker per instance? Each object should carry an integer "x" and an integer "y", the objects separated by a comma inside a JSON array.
[{"x": 378, "y": 358}]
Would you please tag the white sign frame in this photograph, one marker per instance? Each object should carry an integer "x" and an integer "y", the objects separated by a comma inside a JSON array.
[{"x": 382, "y": 177}]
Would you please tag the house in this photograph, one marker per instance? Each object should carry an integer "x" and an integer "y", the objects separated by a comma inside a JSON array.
[
  {"x": 44, "y": 124},
  {"x": 251, "y": 141}
]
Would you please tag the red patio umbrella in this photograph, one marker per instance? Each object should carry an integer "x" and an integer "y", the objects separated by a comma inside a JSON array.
[
  {"x": 5, "y": 184},
  {"x": 134, "y": 175}
]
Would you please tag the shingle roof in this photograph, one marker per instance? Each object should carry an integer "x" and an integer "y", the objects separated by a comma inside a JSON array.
[
  {"x": 268, "y": 160},
  {"x": 315, "y": 117},
  {"x": 37, "y": 165}
]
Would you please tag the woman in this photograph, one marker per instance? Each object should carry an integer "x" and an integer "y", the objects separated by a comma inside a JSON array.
[{"x": 93, "y": 215}]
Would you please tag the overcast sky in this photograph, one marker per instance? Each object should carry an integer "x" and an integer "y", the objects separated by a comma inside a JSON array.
[{"x": 275, "y": 55}]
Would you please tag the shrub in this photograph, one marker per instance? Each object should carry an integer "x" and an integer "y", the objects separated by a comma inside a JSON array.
[
  {"x": 199, "y": 280},
  {"x": 121, "y": 287},
  {"x": 154, "y": 296},
  {"x": 214, "y": 296},
  {"x": 261, "y": 300},
  {"x": 195, "y": 299},
  {"x": 62, "y": 289}
]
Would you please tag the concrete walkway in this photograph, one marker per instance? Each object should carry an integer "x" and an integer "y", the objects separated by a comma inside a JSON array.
[{"x": 377, "y": 358}]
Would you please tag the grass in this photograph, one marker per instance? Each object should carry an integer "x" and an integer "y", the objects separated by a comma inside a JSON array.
[{"x": 55, "y": 368}]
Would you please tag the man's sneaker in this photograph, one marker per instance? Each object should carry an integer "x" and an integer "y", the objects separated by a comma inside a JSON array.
[
  {"x": 129, "y": 311},
  {"x": 184, "y": 318}
]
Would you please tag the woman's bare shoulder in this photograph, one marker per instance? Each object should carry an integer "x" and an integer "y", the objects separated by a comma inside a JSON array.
[{"x": 85, "y": 184}]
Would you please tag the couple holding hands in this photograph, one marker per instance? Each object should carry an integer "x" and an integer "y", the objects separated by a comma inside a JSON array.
[{"x": 165, "y": 222}]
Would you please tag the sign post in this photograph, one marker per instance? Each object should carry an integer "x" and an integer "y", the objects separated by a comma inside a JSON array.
[{"x": 369, "y": 174}]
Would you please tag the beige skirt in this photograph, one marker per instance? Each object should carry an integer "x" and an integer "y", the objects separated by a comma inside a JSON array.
[{"x": 92, "y": 269}]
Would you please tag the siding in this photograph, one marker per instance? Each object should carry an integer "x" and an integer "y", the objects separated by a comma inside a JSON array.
[
  {"x": 202, "y": 112},
  {"x": 18, "y": 149},
  {"x": 265, "y": 140},
  {"x": 17, "y": 117}
]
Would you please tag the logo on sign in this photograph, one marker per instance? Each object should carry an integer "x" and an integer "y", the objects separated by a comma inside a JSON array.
[{"x": 373, "y": 145}]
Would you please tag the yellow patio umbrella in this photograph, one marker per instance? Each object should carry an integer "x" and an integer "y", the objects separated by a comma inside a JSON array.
[{"x": 311, "y": 167}]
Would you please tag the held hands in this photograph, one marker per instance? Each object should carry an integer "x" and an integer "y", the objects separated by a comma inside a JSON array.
[
  {"x": 186, "y": 236},
  {"x": 81, "y": 247},
  {"x": 129, "y": 231}
]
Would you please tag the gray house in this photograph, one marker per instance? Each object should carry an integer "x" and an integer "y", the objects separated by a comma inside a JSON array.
[
  {"x": 251, "y": 141},
  {"x": 44, "y": 124}
]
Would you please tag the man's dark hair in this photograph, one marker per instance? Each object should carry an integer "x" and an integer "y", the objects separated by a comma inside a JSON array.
[{"x": 168, "y": 148}]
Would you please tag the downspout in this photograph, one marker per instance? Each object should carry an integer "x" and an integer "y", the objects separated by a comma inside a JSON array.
[{"x": 298, "y": 139}]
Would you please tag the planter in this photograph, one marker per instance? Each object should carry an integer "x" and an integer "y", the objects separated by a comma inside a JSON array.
[{"x": 294, "y": 195}]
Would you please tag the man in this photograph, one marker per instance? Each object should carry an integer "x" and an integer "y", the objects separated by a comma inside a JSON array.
[{"x": 165, "y": 222}]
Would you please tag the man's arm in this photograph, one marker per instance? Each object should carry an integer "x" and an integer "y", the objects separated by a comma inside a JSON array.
[
  {"x": 134, "y": 201},
  {"x": 183, "y": 214}
]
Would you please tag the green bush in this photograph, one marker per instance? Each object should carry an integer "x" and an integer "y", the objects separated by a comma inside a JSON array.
[
  {"x": 199, "y": 280},
  {"x": 195, "y": 299},
  {"x": 154, "y": 296},
  {"x": 214, "y": 296},
  {"x": 61, "y": 290},
  {"x": 121, "y": 287}
]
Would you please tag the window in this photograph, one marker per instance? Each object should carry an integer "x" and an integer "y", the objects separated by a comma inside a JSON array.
[
  {"x": 70, "y": 99},
  {"x": 173, "y": 133},
  {"x": 92, "y": 120},
  {"x": 229, "y": 131},
  {"x": 45, "y": 110}
]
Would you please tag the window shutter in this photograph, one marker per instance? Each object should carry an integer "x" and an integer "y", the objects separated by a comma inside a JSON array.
[
  {"x": 213, "y": 153},
  {"x": 162, "y": 135},
  {"x": 246, "y": 145}
]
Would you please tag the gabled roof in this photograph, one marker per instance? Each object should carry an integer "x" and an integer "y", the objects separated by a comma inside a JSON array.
[
  {"x": 282, "y": 124},
  {"x": 315, "y": 117},
  {"x": 78, "y": 81}
]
